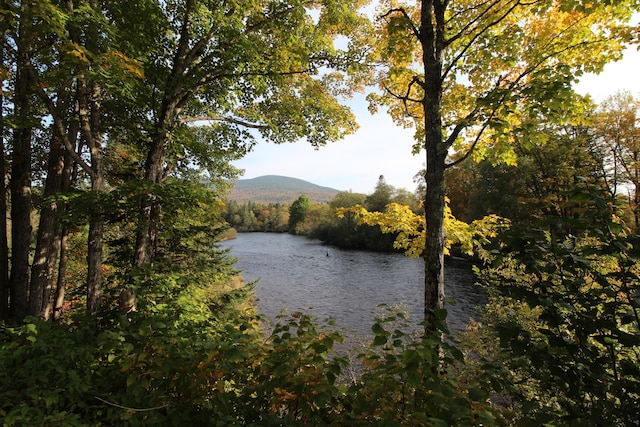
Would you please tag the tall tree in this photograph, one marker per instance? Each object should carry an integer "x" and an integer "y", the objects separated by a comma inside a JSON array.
[
  {"x": 190, "y": 86},
  {"x": 4, "y": 246},
  {"x": 61, "y": 87},
  {"x": 77, "y": 53},
  {"x": 618, "y": 128},
  {"x": 58, "y": 179},
  {"x": 48, "y": 237},
  {"x": 235, "y": 68},
  {"x": 80, "y": 69},
  {"x": 20, "y": 181},
  {"x": 90, "y": 99},
  {"x": 26, "y": 37},
  {"x": 464, "y": 71}
]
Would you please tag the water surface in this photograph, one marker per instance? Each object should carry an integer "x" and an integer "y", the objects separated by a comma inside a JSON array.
[{"x": 297, "y": 273}]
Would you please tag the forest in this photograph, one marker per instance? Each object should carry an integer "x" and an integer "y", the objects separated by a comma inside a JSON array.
[{"x": 119, "y": 122}]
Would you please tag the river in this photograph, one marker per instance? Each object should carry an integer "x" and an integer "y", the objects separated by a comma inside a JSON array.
[{"x": 297, "y": 273}]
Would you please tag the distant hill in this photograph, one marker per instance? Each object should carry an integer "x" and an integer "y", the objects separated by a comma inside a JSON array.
[{"x": 278, "y": 189}]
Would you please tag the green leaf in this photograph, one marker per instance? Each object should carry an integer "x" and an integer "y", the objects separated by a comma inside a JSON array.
[
  {"x": 477, "y": 394},
  {"x": 379, "y": 340},
  {"x": 377, "y": 329}
]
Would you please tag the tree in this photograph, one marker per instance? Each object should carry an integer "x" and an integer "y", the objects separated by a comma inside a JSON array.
[
  {"x": 618, "y": 128},
  {"x": 139, "y": 105},
  {"x": 316, "y": 220},
  {"x": 278, "y": 217},
  {"x": 459, "y": 181},
  {"x": 347, "y": 199},
  {"x": 253, "y": 66},
  {"x": 298, "y": 211},
  {"x": 61, "y": 87},
  {"x": 380, "y": 197},
  {"x": 4, "y": 246},
  {"x": 85, "y": 59},
  {"x": 20, "y": 181},
  {"x": 499, "y": 190},
  {"x": 405, "y": 197},
  {"x": 69, "y": 60},
  {"x": 553, "y": 161},
  {"x": 463, "y": 72},
  {"x": 563, "y": 319}
]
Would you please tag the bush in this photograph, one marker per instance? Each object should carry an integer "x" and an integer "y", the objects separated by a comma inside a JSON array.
[{"x": 564, "y": 319}]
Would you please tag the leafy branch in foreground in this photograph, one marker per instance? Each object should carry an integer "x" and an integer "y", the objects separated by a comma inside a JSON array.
[
  {"x": 411, "y": 379},
  {"x": 563, "y": 321}
]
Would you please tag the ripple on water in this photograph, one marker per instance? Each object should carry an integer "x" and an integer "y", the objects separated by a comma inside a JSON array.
[{"x": 297, "y": 273}]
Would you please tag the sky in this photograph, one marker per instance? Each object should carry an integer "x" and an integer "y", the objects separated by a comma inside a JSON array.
[{"x": 379, "y": 147}]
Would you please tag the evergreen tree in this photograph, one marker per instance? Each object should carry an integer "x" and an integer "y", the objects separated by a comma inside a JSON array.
[{"x": 381, "y": 196}]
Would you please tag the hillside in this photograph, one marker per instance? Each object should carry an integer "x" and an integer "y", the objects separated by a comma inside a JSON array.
[{"x": 278, "y": 189}]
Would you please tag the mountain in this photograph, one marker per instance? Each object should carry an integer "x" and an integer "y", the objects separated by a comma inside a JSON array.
[{"x": 278, "y": 189}]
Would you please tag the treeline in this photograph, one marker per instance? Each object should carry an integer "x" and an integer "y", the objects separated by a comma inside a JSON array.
[
  {"x": 321, "y": 220},
  {"x": 602, "y": 150},
  {"x": 599, "y": 148},
  {"x": 252, "y": 216}
]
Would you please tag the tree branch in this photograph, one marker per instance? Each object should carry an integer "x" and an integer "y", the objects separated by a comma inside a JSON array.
[
  {"x": 232, "y": 120},
  {"x": 468, "y": 46},
  {"x": 509, "y": 89},
  {"x": 403, "y": 12},
  {"x": 472, "y": 148},
  {"x": 129, "y": 408},
  {"x": 405, "y": 98},
  {"x": 57, "y": 122}
]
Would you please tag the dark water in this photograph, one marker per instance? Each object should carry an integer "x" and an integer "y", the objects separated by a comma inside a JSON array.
[{"x": 297, "y": 273}]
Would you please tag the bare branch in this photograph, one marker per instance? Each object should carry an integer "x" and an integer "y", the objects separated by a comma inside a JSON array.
[
  {"x": 464, "y": 123},
  {"x": 485, "y": 125},
  {"x": 461, "y": 14}
]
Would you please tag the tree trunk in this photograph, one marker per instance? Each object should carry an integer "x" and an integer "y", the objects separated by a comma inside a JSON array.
[
  {"x": 434, "y": 291},
  {"x": 48, "y": 239},
  {"x": 69, "y": 178},
  {"x": 94, "y": 263},
  {"x": 436, "y": 152},
  {"x": 150, "y": 207},
  {"x": 59, "y": 167},
  {"x": 4, "y": 246},
  {"x": 21, "y": 192},
  {"x": 89, "y": 112},
  {"x": 150, "y": 210},
  {"x": 61, "y": 282},
  {"x": 173, "y": 101}
]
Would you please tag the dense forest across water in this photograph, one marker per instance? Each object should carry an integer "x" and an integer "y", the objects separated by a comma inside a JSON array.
[
  {"x": 120, "y": 123},
  {"x": 320, "y": 219}
]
